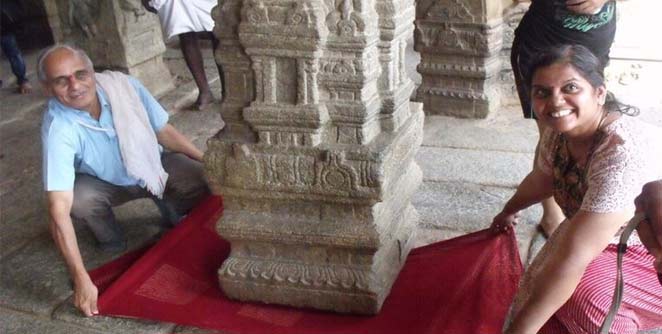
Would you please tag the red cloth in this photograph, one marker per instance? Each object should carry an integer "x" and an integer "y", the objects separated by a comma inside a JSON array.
[{"x": 462, "y": 285}]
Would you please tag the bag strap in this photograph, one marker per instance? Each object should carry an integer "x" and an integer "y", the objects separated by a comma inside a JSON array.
[{"x": 618, "y": 290}]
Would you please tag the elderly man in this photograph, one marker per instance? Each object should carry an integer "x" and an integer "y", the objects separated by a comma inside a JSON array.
[
  {"x": 103, "y": 136},
  {"x": 650, "y": 202}
]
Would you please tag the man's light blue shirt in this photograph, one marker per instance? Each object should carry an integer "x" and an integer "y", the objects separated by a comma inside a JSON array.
[{"x": 74, "y": 142}]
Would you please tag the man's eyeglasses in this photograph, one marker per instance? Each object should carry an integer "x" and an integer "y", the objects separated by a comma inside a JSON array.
[{"x": 63, "y": 81}]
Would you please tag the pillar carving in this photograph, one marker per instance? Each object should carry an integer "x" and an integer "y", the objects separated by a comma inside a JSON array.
[
  {"x": 317, "y": 170},
  {"x": 459, "y": 42},
  {"x": 118, "y": 35}
]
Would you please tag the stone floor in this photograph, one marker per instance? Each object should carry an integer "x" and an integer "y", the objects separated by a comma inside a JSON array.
[{"x": 470, "y": 167}]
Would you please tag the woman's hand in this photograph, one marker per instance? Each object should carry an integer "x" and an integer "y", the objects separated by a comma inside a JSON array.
[{"x": 503, "y": 221}]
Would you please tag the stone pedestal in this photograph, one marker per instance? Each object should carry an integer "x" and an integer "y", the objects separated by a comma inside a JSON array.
[
  {"x": 459, "y": 42},
  {"x": 118, "y": 35},
  {"x": 316, "y": 163}
]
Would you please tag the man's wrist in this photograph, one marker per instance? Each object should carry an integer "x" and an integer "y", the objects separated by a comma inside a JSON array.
[{"x": 81, "y": 279}]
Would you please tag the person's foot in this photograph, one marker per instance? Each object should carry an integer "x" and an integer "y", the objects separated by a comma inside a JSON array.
[
  {"x": 25, "y": 88},
  {"x": 202, "y": 103}
]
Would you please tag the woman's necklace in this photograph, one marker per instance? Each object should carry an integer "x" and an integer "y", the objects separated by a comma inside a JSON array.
[{"x": 595, "y": 139}]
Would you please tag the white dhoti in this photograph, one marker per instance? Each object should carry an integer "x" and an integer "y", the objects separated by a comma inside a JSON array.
[{"x": 181, "y": 16}]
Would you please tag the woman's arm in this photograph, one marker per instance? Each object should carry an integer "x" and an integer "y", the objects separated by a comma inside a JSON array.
[
  {"x": 534, "y": 188},
  {"x": 557, "y": 270}
]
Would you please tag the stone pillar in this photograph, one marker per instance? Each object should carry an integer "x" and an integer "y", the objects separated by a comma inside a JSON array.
[
  {"x": 118, "y": 35},
  {"x": 459, "y": 42},
  {"x": 240, "y": 85},
  {"x": 512, "y": 15},
  {"x": 318, "y": 171}
]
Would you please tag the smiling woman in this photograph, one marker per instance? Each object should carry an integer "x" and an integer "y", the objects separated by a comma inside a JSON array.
[{"x": 594, "y": 162}]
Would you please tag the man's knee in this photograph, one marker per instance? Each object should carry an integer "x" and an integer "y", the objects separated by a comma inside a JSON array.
[
  {"x": 186, "y": 181},
  {"x": 185, "y": 174},
  {"x": 89, "y": 202}
]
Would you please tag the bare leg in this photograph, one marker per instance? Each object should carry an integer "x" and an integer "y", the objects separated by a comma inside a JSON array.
[
  {"x": 193, "y": 57},
  {"x": 552, "y": 215},
  {"x": 221, "y": 73}
]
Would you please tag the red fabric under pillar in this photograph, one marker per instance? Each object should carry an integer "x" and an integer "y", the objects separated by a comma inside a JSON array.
[{"x": 462, "y": 285}]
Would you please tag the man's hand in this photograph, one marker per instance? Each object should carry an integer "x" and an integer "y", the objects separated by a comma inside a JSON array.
[
  {"x": 62, "y": 229},
  {"x": 650, "y": 232},
  {"x": 148, "y": 7},
  {"x": 85, "y": 297},
  {"x": 587, "y": 7}
]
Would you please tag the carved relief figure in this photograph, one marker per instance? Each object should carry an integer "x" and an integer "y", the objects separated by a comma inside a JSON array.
[{"x": 343, "y": 20}]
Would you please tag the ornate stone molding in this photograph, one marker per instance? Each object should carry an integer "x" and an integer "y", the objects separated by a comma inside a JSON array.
[
  {"x": 460, "y": 60},
  {"x": 328, "y": 277}
]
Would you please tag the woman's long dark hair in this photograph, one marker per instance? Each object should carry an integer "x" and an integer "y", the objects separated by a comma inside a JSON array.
[{"x": 586, "y": 63}]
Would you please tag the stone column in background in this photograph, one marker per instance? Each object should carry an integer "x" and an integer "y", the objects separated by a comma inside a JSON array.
[
  {"x": 512, "y": 15},
  {"x": 118, "y": 35},
  {"x": 459, "y": 42},
  {"x": 317, "y": 171},
  {"x": 395, "y": 18}
]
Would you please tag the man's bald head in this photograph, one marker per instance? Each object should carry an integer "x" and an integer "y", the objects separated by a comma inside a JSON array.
[{"x": 58, "y": 48}]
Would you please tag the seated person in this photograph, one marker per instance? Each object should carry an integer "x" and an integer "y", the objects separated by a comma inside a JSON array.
[
  {"x": 594, "y": 159},
  {"x": 650, "y": 202},
  {"x": 102, "y": 135}
]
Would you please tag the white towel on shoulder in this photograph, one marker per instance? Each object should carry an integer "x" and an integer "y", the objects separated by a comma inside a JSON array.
[{"x": 138, "y": 144}]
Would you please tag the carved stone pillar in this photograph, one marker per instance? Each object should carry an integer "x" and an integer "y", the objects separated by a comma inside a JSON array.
[
  {"x": 318, "y": 171},
  {"x": 459, "y": 42},
  {"x": 512, "y": 15},
  {"x": 118, "y": 35},
  {"x": 240, "y": 85}
]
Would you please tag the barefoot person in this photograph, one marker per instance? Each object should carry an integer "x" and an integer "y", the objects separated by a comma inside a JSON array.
[
  {"x": 103, "y": 137},
  {"x": 190, "y": 19},
  {"x": 9, "y": 27}
]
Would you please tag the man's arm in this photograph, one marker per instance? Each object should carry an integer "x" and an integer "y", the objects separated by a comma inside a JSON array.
[
  {"x": 175, "y": 141},
  {"x": 62, "y": 230}
]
